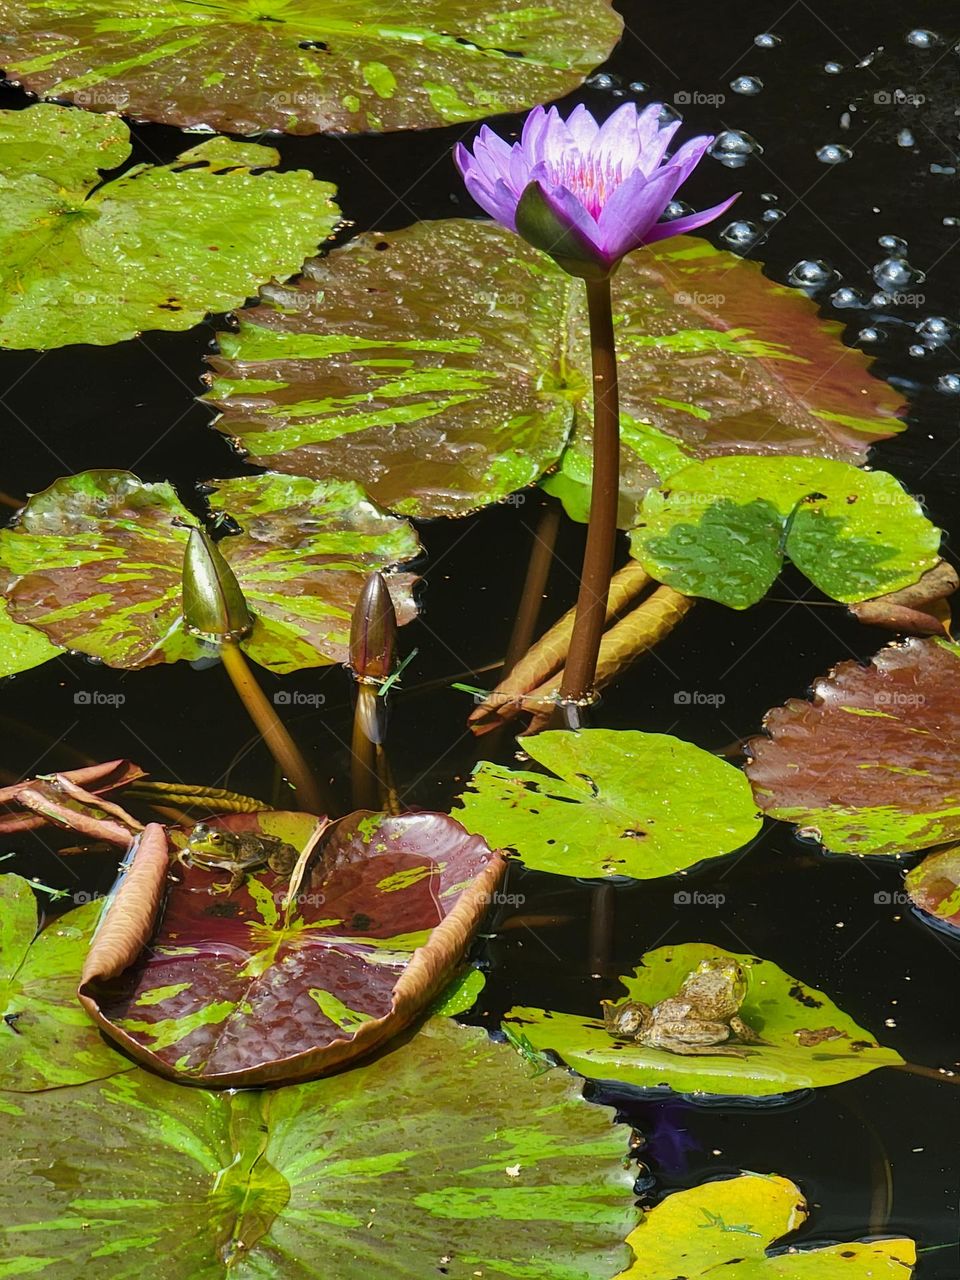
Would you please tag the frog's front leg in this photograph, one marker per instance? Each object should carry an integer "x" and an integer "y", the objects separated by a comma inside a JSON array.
[{"x": 744, "y": 1032}]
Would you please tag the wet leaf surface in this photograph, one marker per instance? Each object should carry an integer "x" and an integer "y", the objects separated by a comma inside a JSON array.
[
  {"x": 445, "y": 389},
  {"x": 722, "y": 528},
  {"x": 157, "y": 248},
  {"x": 934, "y": 885},
  {"x": 790, "y": 1017},
  {"x": 870, "y": 764},
  {"x": 47, "y": 1040},
  {"x": 302, "y": 66},
  {"x": 443, "y": 1152},
  {"x": 232, "y": 990},
  {"x": 22, "y": 647},
  {"x": 724, "y": 1228},
  {"x": 623, "y": 803},
  {"x": 95, "y": 563}
]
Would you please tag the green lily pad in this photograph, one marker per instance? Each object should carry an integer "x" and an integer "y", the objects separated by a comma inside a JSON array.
[
  {"x": 47, "y": 1039},
  {"x": 722, "y": 1230},
  {"x": 721, "y": 529},
  {"x": 303, "y": 65},
  {"x": 447, "y": 394},
  {"x": 934, "y": 886},
  {"x": 22, "y": 647},
  {"x": 461, "y": 994},
  {"x": 791, "y": 1018},
  {"x": 158, "y": 247},
  {"x": 96, "y": 563},
  {"x": 442, "y": 1153},
  {"x": 623, "y": 803},
  {"x": 870, "y": 765}
]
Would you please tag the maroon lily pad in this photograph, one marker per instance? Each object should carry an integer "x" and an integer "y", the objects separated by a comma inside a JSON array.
[
  {"x": 72, "y": 799},
  {"x": 934, "y": 886},
  {"x": 235, "y": 989},
  {"x": 872, "y": 763}
]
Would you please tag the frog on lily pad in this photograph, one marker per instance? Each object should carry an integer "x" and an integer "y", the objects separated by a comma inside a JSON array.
[{"x": 699, "y": 1019}]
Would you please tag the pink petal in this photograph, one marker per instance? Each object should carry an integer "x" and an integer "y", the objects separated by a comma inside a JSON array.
[
  {"x": 648, "y": 123},
  {"x": 583, "y": 128},
  {"x": 679, "y": 226},
  {"x": 498, "y": 201},
  {"x": 618, "y": 142},
  {"x": 532, "y": 134},
  {"x": 633, "y": 210}
]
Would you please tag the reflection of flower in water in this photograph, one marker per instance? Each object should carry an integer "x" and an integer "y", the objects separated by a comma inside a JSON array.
[{"x": 667, "y": 1140}]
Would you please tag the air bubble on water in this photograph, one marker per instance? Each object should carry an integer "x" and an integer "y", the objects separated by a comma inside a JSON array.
[
  {"x": 950, "y": 221},
  {"x": 811, "y": 274},
  {"x": 638, "y": 86},
  {"x": 896, "y": 273},
  {"x": 950, "y": 384},
  {"x": 601, "y": 80},
  {"x": 893, "y": 244},
  {"x": 766, "y": 40},
  {"x": 668, "y": 114},
  {"x": 870, "y": 336},
  {"x": 847, "y": 297},
  {"x": 868, "y": 59},
  {"x": 845, "y": 120},
  {"x": 943, "y": 168},
  {"x": 740, "y": 234},
  {"x": 905, "y": 138},
  {"x": 773, "y": 215},
  {"x": 677, "y": 209},
  {"x": 923, "y": 39},
  {"x": 832, "y": 68},
  {"x": 769, "y": 197},
  {"x": 733, "y": 148},
  {"x": 834, "y": 153},
  {"x": 747, "y": 85},
  {"x": 917, "y": 351},
  {"x": 935, "y": 330}
]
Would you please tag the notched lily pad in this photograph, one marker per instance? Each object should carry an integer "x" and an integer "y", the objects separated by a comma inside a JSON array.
[
  {"x": 723, "y": 1230},
  {"x": 870, "y": 765},
  {"x": 808, "y": 1041},
  {"x": 491, "y": 1168},
  {"x": 623, "y": 803},
  {"x": 46, "y": 1040},
  {"x": 448, "y": 394},
  {"x": 95, "y": 563},
  {"x": 722, "y": 528},
  {"x": 83, "y": 260},
  {"x": 305, "y": 66},
  {"x": 234, "y": 989}
]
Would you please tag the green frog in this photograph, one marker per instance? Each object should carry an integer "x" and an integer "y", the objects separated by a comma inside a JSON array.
[
  {"x": 237, "y": 852},
  {"x": 703, "y": 1014}
]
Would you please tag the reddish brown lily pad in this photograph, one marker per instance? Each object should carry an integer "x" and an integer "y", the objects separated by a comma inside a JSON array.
[
  {"x": 71, "y": 799},
  {"x": 934, "y": 886},
  {"x": 233, "y": 989},
  {"x": 872, "y": 763},
  {"x": 448, "y": 394}
]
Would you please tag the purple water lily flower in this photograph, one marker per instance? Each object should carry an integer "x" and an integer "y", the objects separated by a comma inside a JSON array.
[{"x": 583, "y": 192}]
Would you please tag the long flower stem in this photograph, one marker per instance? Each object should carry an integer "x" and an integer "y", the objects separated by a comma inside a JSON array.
[
  {"x": 577, "y": 689},
  {"x": 364, "y": 775},
  {"x": 282, "y": 747},
  {"x": 531, "y": 599}
]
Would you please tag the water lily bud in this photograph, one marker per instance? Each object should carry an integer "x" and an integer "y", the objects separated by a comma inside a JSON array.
[
  {"x": 213, "y": 603},
  {"x": 373, "y": 632}
]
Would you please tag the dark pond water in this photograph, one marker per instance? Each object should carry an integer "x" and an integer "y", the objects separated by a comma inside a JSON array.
[{"x": 877, "y": 1154}]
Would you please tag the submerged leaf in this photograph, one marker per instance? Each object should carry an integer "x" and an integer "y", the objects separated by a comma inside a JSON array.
[
  {"x": 158, "y": 247},
  {"x": 807, "y": 1041},
  {"x": 331, "y": 1178},
  {"x": 307, "y": 66},
  {"x": 721, "y": 529},
  {"x": 871, "y": 764},
  {"x": 234, "y": 990},
  {"x": 47, "y": 1041},
  {"x": 445, "y": 365},
  {"x": 96, "y": 563},
  {"x": 722, "y": 1229},
  {"x": 624, "y": 803}
]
